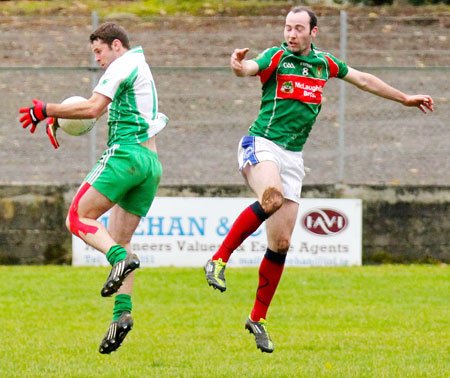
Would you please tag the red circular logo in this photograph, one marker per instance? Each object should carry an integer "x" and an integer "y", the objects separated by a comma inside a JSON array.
[{"x": 324, "y": 221}]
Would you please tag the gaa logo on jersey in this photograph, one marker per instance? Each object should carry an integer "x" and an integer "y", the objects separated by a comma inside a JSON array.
[
  {"x": 287, "y": 87},
  {"x": 288, "y": 65},
  {"x": 324, "y": 222}
]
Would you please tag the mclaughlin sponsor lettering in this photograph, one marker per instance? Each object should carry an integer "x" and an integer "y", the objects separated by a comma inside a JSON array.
[
  {"x": 312, "y": 88},
  {"x": 301, "y": 88}
]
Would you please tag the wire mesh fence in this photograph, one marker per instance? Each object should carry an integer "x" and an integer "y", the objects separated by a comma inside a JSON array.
[{"x": 210, "y": 109}]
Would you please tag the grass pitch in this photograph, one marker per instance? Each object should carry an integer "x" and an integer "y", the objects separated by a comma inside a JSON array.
[{"x": 383, "y": 321}]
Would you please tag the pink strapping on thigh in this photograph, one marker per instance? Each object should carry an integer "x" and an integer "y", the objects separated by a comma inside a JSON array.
[{"x": 75, "y": 224}]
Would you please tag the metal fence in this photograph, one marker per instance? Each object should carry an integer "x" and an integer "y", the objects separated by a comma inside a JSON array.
[{"x": 210, "y": 109}]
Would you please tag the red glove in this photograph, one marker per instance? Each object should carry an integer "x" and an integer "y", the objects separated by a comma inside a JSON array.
[
  {"x": 33, "y": 115},
  {"x": 51, "y": 131}
]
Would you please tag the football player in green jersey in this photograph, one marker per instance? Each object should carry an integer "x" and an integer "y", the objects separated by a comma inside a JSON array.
[
  {"x": 270, "y": 157},
  {"x": 126, "y": 177}
]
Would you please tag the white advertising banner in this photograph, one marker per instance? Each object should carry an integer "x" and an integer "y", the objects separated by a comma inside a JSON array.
[{"x": 187, "y": 231}]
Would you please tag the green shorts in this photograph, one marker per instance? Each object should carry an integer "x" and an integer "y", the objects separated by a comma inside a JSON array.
[{"x": 129, "y": 175}]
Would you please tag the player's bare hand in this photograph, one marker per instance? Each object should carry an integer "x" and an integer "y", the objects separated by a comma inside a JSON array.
[
  {"x": 237, "y": 57},
  {"x": 423, "y": 102}
]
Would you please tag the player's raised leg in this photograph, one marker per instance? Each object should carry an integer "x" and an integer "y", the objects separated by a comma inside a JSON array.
[
  {"x": 87, "y": 205},
  {"x": 263, "y": 178},
  {"x": 279, "y": 230}
]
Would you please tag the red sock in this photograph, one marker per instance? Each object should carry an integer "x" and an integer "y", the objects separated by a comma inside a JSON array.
[
  {"x": 245, "y": 224},
  {"x": 270, "y": 272}
]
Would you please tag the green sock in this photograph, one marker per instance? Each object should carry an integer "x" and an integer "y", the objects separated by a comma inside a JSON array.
[
  {"x": 121, "y": 304},
  {"x": 115, "y": 254}
]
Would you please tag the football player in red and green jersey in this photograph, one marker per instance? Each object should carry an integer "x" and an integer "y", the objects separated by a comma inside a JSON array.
[{"x": 270, "y": 157}]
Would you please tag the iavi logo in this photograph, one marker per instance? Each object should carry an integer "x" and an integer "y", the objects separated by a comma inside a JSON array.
[{"x": 324, "y": 222}]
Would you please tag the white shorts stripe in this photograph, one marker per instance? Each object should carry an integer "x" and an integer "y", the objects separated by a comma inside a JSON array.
[{"x": 101, "y": 165}]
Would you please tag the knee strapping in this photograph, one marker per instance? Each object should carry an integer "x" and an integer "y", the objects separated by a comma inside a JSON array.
[{"x": 76, "y": 226}]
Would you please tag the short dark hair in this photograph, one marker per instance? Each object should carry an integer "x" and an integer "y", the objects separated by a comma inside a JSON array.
[
  {"x": 108, "y": 32},
  {"x": 312, "y": 15}
]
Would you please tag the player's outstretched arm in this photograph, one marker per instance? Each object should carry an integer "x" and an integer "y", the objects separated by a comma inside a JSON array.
[
  {"x": 94, "y": 107},
  {"x": 242, "y": 67},
  {"x": 375, "y": 85}
]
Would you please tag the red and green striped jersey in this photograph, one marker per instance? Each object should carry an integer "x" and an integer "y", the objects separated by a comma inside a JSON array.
[{"x": 292, "y": 88}]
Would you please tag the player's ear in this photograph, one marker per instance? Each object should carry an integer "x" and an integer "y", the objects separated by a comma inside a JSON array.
[
  {"x": 314, "y": 31},
  {"x": 116, "y": 44}
]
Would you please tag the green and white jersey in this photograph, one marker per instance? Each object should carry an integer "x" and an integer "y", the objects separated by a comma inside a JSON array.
[
  {"x": 133, "y": 112},
  {"x": 292, "y": 88}
]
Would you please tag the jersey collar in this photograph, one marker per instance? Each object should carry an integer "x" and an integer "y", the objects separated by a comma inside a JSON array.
[{"x": 137, "y": 49}]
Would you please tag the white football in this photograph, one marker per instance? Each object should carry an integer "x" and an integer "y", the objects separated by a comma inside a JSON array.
[{"x": 76, "y": 126}]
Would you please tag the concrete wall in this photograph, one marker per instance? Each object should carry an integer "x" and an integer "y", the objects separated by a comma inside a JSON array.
[{"x": 400, "y": 224}]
